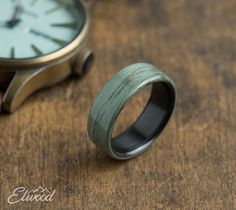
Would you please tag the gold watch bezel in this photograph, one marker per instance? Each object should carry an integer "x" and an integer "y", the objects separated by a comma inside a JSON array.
[{"x": 57, "y": 56}]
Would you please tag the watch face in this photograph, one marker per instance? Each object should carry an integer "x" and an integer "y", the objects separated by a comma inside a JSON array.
[{"x": 35, "y": 28}]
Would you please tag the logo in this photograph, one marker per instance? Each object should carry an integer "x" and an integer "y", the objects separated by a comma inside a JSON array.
[{"x": 21, "y": 194}]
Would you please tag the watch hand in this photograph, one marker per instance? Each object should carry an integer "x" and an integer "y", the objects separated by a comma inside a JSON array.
[
  {"x": 46, "y": 36},
  {"x": 10, "y": 24},
  {"x": 14, "y": 20},
  {"x": 17, "y": 10}
]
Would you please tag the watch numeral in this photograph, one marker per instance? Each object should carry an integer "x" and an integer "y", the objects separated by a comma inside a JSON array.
[
  {"x": 54, "y": 9},
  {"x": 59, "y": 41},
  {"x": 65, "y": 25},
  {"x": 46, "y": 36},
  {"x": 12, "y": 53},
  {"x": 36, "y": 50}
]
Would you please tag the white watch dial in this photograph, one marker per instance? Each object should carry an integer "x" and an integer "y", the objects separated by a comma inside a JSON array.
[{"x": 34, "y": 28}]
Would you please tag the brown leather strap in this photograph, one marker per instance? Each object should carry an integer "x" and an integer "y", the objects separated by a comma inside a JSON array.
[{"x": 5, "y": 79}]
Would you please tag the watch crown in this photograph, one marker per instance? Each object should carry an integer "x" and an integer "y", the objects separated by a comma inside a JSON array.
[{"x": 83, "y": 62}]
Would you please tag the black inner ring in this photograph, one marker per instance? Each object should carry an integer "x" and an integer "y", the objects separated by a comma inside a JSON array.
[{"x": 150, "y": 123}]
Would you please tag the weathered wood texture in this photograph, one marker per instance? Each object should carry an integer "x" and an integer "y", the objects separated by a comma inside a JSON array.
[{"x": 191, "y": 166}]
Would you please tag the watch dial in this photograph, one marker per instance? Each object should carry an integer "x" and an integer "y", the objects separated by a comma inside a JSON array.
[{"x": 34, "y": 28}]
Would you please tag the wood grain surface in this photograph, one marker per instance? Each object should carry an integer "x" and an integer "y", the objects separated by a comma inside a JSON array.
[{"x": 193, "y": 163}]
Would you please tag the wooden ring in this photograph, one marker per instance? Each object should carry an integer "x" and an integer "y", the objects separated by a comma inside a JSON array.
[{"x": 111, "y": 101}]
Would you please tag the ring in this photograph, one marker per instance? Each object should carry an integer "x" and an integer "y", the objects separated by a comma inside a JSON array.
[{"x": 112, "y": 99}]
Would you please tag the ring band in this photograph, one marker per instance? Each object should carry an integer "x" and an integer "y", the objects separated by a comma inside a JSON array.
[{"x": 111, "y": 101}]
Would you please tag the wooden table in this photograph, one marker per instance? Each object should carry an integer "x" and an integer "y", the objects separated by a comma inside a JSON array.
[{"x": 193, "y": 163}]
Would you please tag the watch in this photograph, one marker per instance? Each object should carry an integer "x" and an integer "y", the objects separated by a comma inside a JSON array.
[{"x": 42, "y": 43}]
